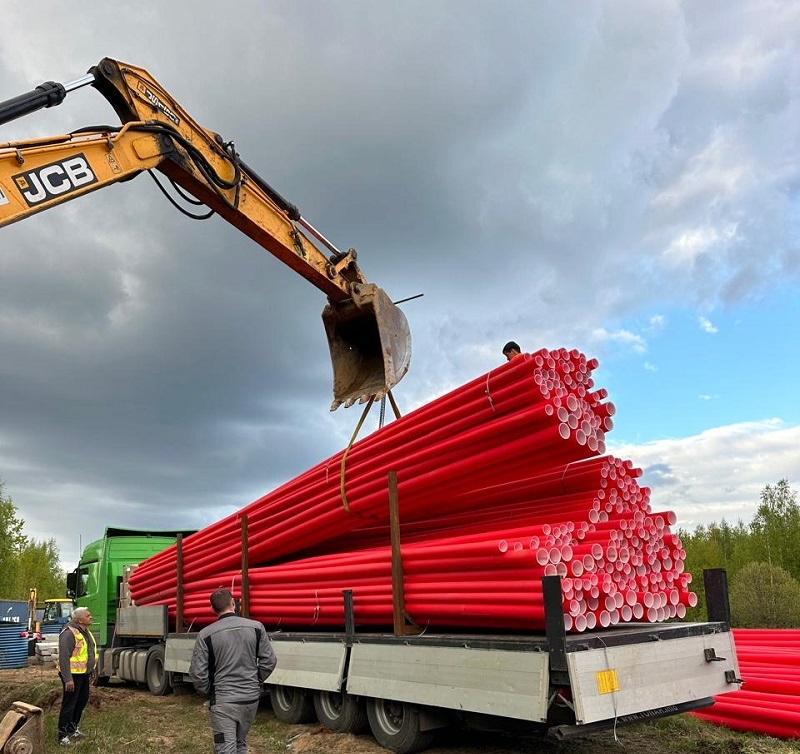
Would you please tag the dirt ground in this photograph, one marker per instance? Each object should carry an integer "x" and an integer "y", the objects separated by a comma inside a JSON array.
[{"x": 38, "y": 685}]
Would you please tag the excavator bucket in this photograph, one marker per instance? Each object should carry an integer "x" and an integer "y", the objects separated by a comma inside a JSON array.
[
  {"x": 370, "y": 345},
  {"x": 22, "y": 730}
]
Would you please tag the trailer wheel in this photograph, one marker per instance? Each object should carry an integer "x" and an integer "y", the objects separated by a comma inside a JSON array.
[
  {"x": 292, "y": 705},
  {"x": 396, "y": 726},
  {"x": 340, "y": 712},
  {"x": 157, "y": 678}
]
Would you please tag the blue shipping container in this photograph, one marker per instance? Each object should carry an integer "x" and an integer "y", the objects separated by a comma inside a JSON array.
[
  {"x": 14, "y": 611},
  {"x": 13, "y": 645}
]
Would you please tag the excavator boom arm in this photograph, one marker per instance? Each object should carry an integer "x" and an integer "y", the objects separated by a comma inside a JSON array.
[{"x": 368, "y": 336}]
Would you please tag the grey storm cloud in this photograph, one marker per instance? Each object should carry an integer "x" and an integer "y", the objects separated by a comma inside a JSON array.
[{"x": 570, "y": 161}]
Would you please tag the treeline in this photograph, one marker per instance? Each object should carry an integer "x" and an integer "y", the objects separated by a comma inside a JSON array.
[
  {"x": 25, "y": 562},
  {"x": 762, "y": 560}
]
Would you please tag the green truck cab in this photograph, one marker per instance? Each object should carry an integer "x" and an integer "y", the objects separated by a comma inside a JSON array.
[{"x": 96, "y": 583}]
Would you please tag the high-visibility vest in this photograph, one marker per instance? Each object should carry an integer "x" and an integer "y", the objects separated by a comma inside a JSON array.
[{"x": 79, "y": 659}]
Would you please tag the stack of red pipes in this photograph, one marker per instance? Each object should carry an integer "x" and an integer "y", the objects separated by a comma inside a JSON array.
[
  {"x": 769, "y": 701},
  {"x": 500, "y": 482}
]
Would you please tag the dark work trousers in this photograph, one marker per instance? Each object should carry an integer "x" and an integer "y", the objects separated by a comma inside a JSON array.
[
  {"x": 230, "y": 724},
  {"x": 73, "y": 703}
]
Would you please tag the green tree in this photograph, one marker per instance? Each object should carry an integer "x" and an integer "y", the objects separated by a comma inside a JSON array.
[
  {"x": 775, "y": 528},
  {"x": 12, "y": 540},
  {"x": 39, "y": 567},
  {"x": 769, "y": 538},
  {"x": 713, "y": 546},
  {"x": 24, "y": 562},
  {"x": 764, "y": 596}
]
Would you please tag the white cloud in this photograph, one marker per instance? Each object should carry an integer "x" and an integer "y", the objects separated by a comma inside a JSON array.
[
  {"x": 690, "y": 244},
  {"x": 626, "y": 338},
  {"x": 706, "y": 325},
  {"x": 717, "y": 474},
  {"x": 717, "y": 170}
]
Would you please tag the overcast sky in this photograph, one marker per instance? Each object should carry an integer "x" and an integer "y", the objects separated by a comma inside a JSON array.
[{"x": 618, "y": 177}]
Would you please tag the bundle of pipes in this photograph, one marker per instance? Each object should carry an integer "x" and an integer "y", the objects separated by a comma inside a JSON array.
[
  {"x": 534, "y": 424},
  {"x": 504, "y": 424},
  {"x": 478, "y": 580},
  {"x": 769, "y": 701},
  {"x": 590, "y": 488}
]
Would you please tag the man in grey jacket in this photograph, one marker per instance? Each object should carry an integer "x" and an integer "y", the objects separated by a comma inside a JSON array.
[{"x": 231, "y": 660}]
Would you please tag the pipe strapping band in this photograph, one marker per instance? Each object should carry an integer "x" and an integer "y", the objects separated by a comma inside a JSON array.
[{"x": 345, "y": 504}]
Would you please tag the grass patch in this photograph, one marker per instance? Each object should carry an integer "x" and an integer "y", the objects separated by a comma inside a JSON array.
[{"x": 128, "y": 720}]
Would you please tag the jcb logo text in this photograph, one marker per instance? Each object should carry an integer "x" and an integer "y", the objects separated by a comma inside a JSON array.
[{"x": 55, "y": 179}]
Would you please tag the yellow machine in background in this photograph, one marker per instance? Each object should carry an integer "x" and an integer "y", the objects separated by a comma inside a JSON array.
[
  {"x": 56, "y": 614},
  {"x": 46, "y": 618}
]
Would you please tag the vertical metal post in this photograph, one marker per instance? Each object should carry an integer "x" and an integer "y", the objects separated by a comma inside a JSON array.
[
  {"x": 179, "y": 584},
  {"x": 245, "y": 602},
  {"x": 349, "y": 615},
  {"x": 555, "y": 630},
  {"x": 398, "y": 587},
  {"x": 718, "y": 608}
]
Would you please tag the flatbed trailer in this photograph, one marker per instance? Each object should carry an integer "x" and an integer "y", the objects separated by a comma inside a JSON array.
[
  {"x": 407, "y": 683},
  {"x": 405, "y": 687}
]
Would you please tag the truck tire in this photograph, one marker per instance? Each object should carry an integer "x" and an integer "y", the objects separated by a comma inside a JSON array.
[
  {"x": 158, "y": 680},
  {"x": 340, "y": 712},
  {"x": 292, "y": 705},
  {"x": 396, "y": 726}
]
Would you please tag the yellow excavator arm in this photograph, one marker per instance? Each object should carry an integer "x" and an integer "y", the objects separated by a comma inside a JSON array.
[{"x": 368, "y": 336}]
